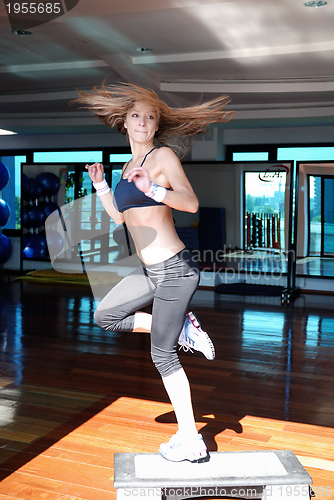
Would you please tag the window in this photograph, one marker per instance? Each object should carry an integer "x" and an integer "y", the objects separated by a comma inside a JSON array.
[
  {"x": 255, "y": 156},
  {"x": 305, "y": 154},
  {"x": 120, "y": 158},
  {"x": 67, "y": 156},
  {"x": 321, "y": 219},
  {"x": 264, "y": 209}
]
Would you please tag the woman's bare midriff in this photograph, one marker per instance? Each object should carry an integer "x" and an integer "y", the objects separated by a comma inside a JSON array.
[{"x": 153, "y": 232}]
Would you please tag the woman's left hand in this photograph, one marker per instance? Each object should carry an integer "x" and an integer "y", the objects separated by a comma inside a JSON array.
[{"x": 141, "y": 178}]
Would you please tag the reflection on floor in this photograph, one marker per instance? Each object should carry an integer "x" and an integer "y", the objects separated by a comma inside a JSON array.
[{"x": 72, "y": 395}]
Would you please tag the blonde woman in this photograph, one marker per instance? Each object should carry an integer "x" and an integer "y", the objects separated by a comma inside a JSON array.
[{"x": 152, "y": 183}]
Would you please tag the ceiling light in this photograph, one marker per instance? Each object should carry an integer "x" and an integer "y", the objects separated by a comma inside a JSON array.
[
  {"x": 6, "y": 132},
  {"x": 143, "y": 49},
  {"x": 21, "y": 32},
  {"x": 316, "y": 3}
]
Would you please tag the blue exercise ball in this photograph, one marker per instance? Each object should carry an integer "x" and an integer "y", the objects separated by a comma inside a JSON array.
[
  {"x": 50, "y": 181},
  {"x": 36, "y": 216},
  {"x": 5, "y": 248},
  {"x": 25, "y": 184},
  {"x": 4, "y": 212},
  {"x": 25, "y": 216},
  {"x": 49, "y": 208},
  {"x": 39, "y": 238},
  {"x": 34, "y": 250},
  {"x": 4, "y": 176},
  {"x": 55, "y": 242},
  {"x": 36, "y": 190},
  {"x": 25, "y": 239}
]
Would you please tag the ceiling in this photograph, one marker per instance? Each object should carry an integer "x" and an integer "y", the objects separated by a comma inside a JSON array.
[{"x": 275, "y": 58}]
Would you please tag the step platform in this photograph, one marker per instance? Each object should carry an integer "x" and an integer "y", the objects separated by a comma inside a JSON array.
[{"x": 268, "y": 475}]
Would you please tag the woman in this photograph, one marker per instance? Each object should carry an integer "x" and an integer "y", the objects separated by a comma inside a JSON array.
[{"x": 152, "y": 183}]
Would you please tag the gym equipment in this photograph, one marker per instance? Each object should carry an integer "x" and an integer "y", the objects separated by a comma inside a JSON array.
[
  {"x": 212, "y": 228},
  {"x": 264, "y": 474},
  {"x": 50, "y": 182},
  {"x": 36, "y": 216},
  {"x": 4, "y": 176},
  {"x": 25, "y": 239},
  {"x": 55, "y": 242},
  {"x": 5, "y": 248},
  {"x": 49, "y": 207},
  {"x": 262, "y": 230},
  {"x": 4, "y": 212},
  {"x": 25, "y": 186},
  {"x": 36, "y": 190},
  {"x": 40, "y": 238},
  {"x": 34, "y": 250},
  {"x": 26, "y": 216}
]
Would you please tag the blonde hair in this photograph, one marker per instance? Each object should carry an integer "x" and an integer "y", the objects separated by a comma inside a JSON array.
[{"x": 111, "y": 105}]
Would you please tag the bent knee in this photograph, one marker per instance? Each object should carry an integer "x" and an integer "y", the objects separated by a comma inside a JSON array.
[
  {"x": 114, "y": 320},
  {"x": 99, "y": 318},
  {"x": 104, "y": 319}
]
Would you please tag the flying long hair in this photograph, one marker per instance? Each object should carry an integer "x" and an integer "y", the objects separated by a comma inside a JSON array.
[{"x": 111, "y": 104}]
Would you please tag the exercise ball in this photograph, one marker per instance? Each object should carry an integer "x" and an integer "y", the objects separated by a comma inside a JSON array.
[
  {"x": 25, "y": 184},
  {"x": 50, "y": 181},
  {"x": 36, "y": 190},
  {"x": 5, "y": 248},
  {"x": 34, "y": 250},
  {"x": 39, "y": 238},
  {"x": 49, "y": 207},
  {"x": 4, "y": 212},
  {"x": 26, "y": 216},
  {"x": 4, "y": 176},
  {"x": 25, "y": 239},
  {"x": 36, "y": 216},
  {"x": 55, "y": 242}
]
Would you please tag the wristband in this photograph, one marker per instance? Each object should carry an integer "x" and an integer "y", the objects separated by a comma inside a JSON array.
[
  {"x": 157, "y": 193},
  {"x": 101, "y": 187}
]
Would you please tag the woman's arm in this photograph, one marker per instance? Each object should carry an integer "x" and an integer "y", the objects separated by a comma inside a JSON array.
[
  {"x": 96, "y": 172},
  {"x": 171, "y": 175}
]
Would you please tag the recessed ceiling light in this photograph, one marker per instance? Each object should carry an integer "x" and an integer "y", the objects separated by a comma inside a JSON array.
[
  {"x": 6, "y": 132},
  {"x": 143, "y": 49},
  {"x": 316, "y": 3},
  {"x": 22, "y": 32}
]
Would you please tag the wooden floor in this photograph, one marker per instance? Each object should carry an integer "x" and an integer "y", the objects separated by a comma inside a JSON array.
[{"x": 72, "y": 394}]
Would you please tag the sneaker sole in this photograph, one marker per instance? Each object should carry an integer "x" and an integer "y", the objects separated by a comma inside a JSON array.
[
  {"x": 197, "y": 324},
  {"x": 200, "y": 460}
]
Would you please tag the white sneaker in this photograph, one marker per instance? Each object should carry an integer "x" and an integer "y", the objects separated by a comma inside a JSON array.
[
  {"x": 179, "y": 449},
  {"x": 193, "y": 337}
]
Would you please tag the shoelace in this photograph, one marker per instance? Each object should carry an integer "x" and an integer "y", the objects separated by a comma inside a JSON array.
[{"x": 185, "y": 348}]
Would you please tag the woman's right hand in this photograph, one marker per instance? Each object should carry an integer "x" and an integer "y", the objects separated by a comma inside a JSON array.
[{"x": 95, "y": 172}]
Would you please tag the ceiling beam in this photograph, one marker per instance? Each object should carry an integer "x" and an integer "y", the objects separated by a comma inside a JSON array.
[
  {"x": 232, "y": 87},
  {"x": 249, "y": 52},
  {"x": 54, "y": 66}
]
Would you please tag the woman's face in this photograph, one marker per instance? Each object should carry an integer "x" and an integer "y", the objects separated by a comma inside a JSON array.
[{"x": 142, "y": 122}]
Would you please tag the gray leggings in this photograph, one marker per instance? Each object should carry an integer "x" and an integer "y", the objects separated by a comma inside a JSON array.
[{"x": 169, "y": 287}]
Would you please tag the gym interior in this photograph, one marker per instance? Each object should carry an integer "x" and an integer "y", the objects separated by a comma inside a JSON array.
[{"x": 73, "y": 395}]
